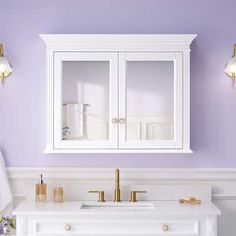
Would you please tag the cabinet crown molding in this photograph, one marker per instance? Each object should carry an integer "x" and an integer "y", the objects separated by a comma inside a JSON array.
[{"x": 116, "y": 42}]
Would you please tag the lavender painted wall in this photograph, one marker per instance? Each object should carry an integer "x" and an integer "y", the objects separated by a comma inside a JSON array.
[{"x": 22, "y": 99}]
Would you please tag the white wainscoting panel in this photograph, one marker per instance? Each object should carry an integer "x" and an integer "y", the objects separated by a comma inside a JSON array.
[{"x": 77, "y": 181}]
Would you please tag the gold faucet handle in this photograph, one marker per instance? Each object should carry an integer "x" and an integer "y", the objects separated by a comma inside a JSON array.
[
  {"x": 101, "y": 195},
  {"x": 133, "y": 195}
]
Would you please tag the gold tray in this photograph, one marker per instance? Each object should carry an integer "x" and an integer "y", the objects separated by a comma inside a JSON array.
[{"x": 190, "y": 201}]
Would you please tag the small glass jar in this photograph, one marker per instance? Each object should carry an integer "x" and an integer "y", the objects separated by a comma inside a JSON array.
[{"x": 58, "y": 194}]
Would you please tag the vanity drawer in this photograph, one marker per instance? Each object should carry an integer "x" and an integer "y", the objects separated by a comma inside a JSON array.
[{"x": 113, "y": 227}]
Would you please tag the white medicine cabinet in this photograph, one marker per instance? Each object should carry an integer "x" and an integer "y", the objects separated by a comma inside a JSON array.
[{"x": 118, "y": 93}]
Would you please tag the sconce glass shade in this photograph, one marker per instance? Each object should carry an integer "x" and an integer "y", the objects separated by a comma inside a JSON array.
[
  {"x": 5, "y": 68},
  {"x": 230, "y": 68}
]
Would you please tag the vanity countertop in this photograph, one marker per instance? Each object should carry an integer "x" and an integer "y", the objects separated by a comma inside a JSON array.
[{"x": 160, "y": 208}]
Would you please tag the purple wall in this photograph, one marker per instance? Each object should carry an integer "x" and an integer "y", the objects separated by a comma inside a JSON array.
[{"x": 213, "y": 101}]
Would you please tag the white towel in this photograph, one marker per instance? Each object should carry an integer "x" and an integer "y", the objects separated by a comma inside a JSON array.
[{"x": 5, "y": 191}]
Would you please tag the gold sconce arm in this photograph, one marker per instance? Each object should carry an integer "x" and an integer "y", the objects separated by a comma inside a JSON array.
[{"x": 1, "y": 50}]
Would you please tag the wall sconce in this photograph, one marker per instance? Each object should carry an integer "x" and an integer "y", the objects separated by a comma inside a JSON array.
[
  {"x": 5, "y": 68},
  {"x": 230, "y": 68}
]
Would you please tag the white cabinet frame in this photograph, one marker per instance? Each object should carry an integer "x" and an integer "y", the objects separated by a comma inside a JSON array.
[{"x": 178, "y": 46}]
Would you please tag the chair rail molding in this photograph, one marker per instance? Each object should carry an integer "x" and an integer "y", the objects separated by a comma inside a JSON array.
[{"x": 223, "y": 181}]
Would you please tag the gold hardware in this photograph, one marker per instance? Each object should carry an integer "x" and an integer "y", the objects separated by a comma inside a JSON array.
[
  {"x": 121, "y": 121},
  {"x": 190, "y": 201},
  {"x": 117, "y": 186},
  {"x": 165, "y": 228},
  {"x": 2, "y": 77},
  {"x": 234, "y": 54},
  {"x": 101, "y": 195},
  {"x": 114, "y": 121},
  {"x": 67, "y": 227},
  {"x": 133, "y": 195},
  {"x": 1, "y": 50}
]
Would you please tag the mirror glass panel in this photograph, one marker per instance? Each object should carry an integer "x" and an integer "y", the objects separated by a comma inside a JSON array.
[
  {"x": 150, "y": 100},
  {"x": 85, "y": 100}
]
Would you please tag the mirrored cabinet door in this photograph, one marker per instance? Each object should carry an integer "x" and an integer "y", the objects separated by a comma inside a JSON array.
[
  {"x": 150, "y": 100},
  {"x": 85, "y": 103}
]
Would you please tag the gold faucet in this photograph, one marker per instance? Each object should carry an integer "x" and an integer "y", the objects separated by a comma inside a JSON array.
[{"x": 117, "y": 186}]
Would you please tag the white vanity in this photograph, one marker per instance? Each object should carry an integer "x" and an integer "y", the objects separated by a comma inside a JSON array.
[
  {"x": 118, "y": 93},
  {"x": 149, "y": 217}
]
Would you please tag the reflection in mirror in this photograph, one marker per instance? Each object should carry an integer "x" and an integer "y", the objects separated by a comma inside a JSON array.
[
  {"x": 150, "y": 100},
  {"x": 85, "y": 100}
]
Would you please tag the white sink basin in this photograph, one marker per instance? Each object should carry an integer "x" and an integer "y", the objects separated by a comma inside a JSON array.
[{"x": 117, "y": 206}]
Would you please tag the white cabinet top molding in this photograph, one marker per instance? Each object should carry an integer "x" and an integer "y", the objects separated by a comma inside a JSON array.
[{"x": 118, "y": 42}]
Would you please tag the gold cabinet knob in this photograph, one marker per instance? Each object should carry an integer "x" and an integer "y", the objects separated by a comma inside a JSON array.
[
  {"x": 165, "y": 228},
  {"x": 101, "y": 195},
  {"x": 121, "y": 120},
  {"x": 133, "y": 195},
  {"x": 114, "y": 120},
  {"x": 67, "y": 227}
]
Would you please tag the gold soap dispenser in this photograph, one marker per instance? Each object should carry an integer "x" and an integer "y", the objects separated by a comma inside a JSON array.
[{"x": 41, "y": 191}]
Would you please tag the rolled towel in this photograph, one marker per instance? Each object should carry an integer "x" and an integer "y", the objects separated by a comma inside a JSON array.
[{"x": 5, "y": 191}]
